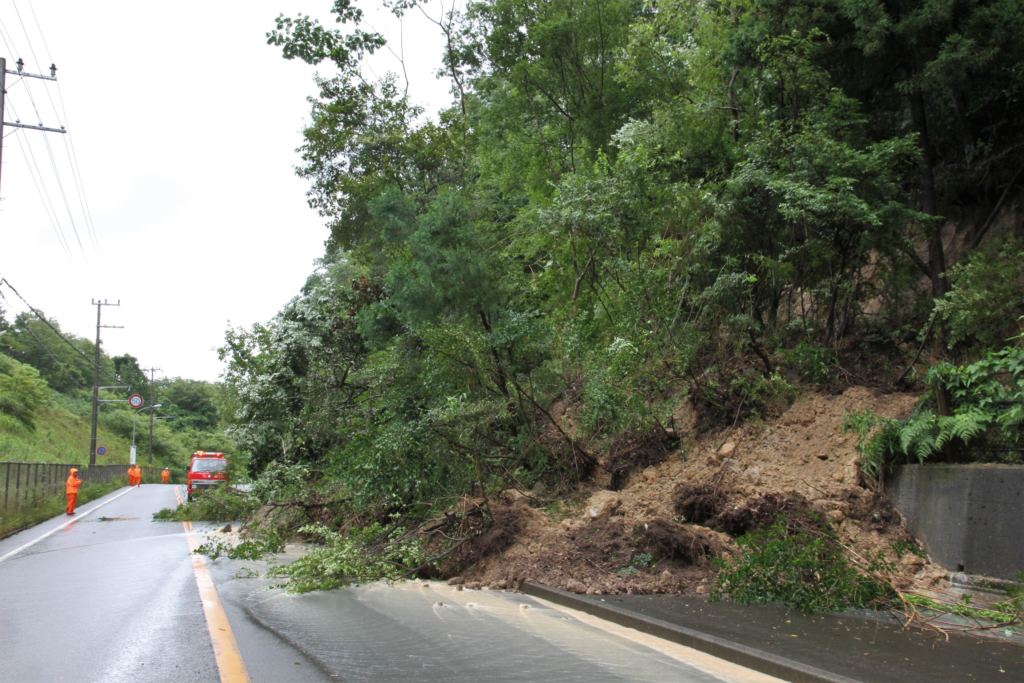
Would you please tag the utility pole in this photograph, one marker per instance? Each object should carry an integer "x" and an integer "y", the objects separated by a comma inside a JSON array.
[
  {"x": 152, "y": 402},
  {"x": 96, "y": 376},
  {"x": 3, "y": 91}
]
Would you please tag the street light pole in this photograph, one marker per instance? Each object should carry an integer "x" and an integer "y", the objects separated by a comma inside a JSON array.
[{"x": 134, "y": 415}]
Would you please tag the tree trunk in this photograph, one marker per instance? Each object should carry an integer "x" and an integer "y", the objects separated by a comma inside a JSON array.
[{"x": 936, "y": 251}]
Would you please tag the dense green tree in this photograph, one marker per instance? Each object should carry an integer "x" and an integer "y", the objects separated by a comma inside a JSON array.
[
  {"x": 22, "y": 390},
  {"x": 127, "y": 371},
  {"x": 190, "y": 403}
]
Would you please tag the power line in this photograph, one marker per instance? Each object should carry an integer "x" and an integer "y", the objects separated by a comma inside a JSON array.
[
  {"x": 69, "y": 140},
  {"x": 61, "y": 114},
  {"x": 43, "y": 192},
  {"x": 53, "y": 105},
  {"x": 39, "y": 26},
  {"x": 21, "y": 21},
  {"x": 64, "y": 197},
  {"x": 46, "y": 349},
  {"x": 8, "y": 39},
  {"x": 76, "y": 174},
  {"x": 4, "y": 281},
  {"x": 49, "y": 149},
  {"x": 41, "y": 183},
  {"x": 3, "y": 108}
]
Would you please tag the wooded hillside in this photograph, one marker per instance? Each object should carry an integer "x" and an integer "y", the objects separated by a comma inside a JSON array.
[{"x": 630, "y": 206}]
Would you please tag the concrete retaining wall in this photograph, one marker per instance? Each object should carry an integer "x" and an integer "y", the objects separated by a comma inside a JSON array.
[{"x": 969, "y": 517}]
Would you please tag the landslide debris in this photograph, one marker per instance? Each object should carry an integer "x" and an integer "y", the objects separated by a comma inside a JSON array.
[{"x": 661, "y": 507}]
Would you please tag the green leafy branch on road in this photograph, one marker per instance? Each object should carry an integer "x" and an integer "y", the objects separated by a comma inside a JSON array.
[
  {"x": 802, "y": 563},
  {"x": 223, "y": 504},
  {"x": 799, "y": 563},
  {"x": 249, "y": 549},
  {"x": 364, "y": 554}
]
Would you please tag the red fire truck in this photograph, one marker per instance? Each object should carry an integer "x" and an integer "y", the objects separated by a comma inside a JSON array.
[{"x": 208, "y": 469}]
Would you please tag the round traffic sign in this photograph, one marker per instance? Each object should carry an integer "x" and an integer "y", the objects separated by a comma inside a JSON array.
[
  {"x": 101, "y": 450},
  {"x": 135, "y": 401}
]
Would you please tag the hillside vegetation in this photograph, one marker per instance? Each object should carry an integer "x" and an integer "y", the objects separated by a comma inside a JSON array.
[
  {"x": 45, "y": 402},
  {"x": 628, "y": 207}
]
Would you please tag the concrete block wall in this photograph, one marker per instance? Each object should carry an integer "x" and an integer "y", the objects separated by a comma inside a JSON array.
[{"x": 970, "y": 518}]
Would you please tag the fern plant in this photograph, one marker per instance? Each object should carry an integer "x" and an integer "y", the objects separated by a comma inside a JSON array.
[{"x": 986, "y": 420}]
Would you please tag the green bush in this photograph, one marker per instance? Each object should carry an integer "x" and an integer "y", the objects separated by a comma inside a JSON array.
[
  {"x": 755, "y": 394},
  {"x": 22, "y": 390},
  {"x": 811, "y": 362},
  {"x": 639, "y": 561},
  {"x": 282, "y": 482},
  {"x": 800, "y": 566}
]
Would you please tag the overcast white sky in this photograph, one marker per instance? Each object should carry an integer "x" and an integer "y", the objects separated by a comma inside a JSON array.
[{"x": 184, "y": 123}]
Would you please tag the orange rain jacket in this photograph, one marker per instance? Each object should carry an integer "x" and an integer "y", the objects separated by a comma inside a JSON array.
[
  {"x": 165, "y": 476},
  {"x": 73, "y": 482},
  {"x": 71, "y": 488}
]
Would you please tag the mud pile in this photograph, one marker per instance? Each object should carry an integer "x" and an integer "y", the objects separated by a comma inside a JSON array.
[{"x": 663, "y": 507}]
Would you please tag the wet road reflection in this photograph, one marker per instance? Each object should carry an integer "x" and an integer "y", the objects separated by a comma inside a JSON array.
[{"x": 433, "y": 632}]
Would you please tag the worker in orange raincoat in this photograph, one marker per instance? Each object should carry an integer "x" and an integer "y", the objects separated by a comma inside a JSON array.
[
  {"x": 71, "y": 488},
  {"x": 131, "y": 475},
  {"x": 165, "y": 476},
  {"x": 138, "y": 475}
]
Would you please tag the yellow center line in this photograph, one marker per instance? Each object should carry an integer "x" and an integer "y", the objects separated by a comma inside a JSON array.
[{"x": 225, "y": 649}]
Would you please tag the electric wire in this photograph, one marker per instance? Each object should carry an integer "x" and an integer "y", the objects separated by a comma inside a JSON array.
[
  {"x": 41, "y": 317},
  {"x": 61, "y": 114},
  {"x": 35, "y": 58},
  {"x": 64, "y": 197},
  {"x": 69, "y": 150},
  {"x": 37, "y": 178},
  {"x": 76, "y": 174},
  {"x": 24, "y": 30},
  {"x": 53, "y": 161},
  {"x": 46, "y": 349},
  {"x": 44, "y": 197},
  {"x": 8, "y": 39},
  {"x": 69, "y": 144},
  {"x": 57, "y": 177}
]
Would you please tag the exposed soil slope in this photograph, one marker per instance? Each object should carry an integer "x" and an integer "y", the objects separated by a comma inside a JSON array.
[{"x": 659, "y": 530}]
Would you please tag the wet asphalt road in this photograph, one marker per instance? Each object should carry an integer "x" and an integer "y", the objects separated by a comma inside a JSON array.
[
  {"x": 113, "y": 597},
  {"x": 110, "y": 597},
  {"x": 416, "y": 631}
]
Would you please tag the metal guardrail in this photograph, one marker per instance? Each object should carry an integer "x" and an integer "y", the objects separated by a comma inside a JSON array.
[{"x": 24, "y": 484}]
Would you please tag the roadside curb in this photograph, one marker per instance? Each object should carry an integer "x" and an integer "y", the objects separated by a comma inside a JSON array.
[{"x": 737, "y": 653}]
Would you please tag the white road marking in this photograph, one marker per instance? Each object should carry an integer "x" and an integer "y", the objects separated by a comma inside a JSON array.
[
  {"x": 66, "y": 524},
  {"x": 709, "y": 664}
]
